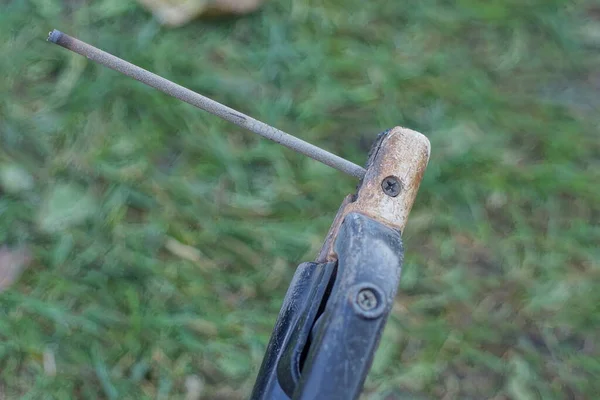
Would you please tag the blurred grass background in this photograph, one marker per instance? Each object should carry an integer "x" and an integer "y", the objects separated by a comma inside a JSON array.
[{"x": 163, "y": 239}]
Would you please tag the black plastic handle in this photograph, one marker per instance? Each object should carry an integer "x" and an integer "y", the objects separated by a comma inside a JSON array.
[{"x": 332, "y": 318}]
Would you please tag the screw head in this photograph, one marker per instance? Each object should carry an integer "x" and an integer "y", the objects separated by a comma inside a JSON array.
[
  {"x": 391, "y": 186},
  {"x": 366, "y": 299}
]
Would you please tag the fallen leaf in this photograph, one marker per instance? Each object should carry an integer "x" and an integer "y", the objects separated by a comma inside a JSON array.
[
  {"x": 49, "y": 362},
  {"x": 179, "y": 12},
  {"x": 188, "y": 253},
  {"x": 14, "y": 179},
  {"x": 65, "y": 206},
  {"x": 12, "y": 264},
  {"x": 194, "y": 386}
]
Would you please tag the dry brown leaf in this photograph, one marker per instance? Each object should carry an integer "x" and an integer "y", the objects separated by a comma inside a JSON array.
[
  {"x": 179, "y": 12},
  {"x": 12, "y": 263},
  {"x": 188, "y": 253}
]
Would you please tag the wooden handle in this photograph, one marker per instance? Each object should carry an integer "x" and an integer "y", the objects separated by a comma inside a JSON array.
[{"x": 390, "y": 185}]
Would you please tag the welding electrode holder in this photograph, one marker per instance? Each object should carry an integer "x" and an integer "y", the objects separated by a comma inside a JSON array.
[{"x": 336, "y": 308}]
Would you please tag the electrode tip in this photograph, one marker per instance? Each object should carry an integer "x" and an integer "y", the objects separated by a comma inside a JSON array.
[{"x": 54, "y": 36}]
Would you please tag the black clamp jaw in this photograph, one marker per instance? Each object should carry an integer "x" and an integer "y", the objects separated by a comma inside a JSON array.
[{"x": 335, "y": 309}]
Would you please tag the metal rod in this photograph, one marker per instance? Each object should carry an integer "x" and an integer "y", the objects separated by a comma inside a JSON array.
[{"x": 204, "y": 103}]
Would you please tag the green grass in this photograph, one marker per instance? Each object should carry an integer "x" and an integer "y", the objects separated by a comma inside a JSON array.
[{"x": 500, "y": 294}]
